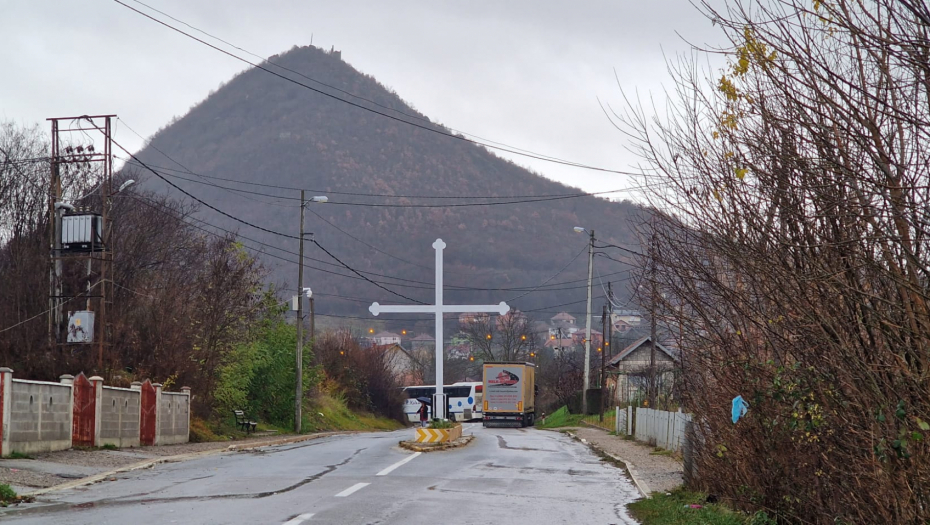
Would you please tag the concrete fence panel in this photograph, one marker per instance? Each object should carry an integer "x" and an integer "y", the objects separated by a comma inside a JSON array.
[
  {"x": 40, "y": 416},
  {"x": 119, "y": 417},
  {"x": 173, "y": 417}
]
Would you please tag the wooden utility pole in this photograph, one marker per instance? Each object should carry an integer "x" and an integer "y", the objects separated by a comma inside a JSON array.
[{"x": 653, "y": 386}]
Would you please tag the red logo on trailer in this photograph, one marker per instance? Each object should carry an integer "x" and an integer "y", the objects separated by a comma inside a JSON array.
[{"x": 504, "y": 378}]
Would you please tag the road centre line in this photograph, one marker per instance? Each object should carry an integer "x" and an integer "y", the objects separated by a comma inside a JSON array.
[
  {"x": 298, "y": 519},
  {"x": 390, "y": 469},
  {"x": 351, "y": 490}
]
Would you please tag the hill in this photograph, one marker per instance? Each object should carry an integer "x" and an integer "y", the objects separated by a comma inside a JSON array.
[{"x": 262, "y": 129}]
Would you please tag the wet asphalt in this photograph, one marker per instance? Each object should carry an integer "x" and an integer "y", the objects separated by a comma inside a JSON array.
[{"x": 511, "y": 476}]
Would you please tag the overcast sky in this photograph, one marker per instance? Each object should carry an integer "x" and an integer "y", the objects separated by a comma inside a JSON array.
[{"x": 528, "y": 74}]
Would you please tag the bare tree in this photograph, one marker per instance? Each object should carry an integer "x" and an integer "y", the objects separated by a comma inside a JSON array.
[
  {"x": 791, "y": 194},
  {"x": 509, "y": 337}
]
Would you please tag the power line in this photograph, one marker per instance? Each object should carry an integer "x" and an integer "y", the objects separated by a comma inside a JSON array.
[
  {"x": 360, "y": 194},
  {"x": 507, "y": 149},
  {"x": 524, "y": 294},
  {"x": 521, "y": 200},
  {"x": 411, "y": 115}
]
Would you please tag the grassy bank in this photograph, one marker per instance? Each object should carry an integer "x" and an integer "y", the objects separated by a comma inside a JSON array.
[
  {"x": 327, "y": 412},
  {"x": 559, "y": 418},
  {"x": 681, "y": 507},
  {"x": 321, "y": 414}
]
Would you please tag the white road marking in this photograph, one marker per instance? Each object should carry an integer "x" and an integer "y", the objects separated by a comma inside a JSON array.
[
  {"x": 351, "y": 490},
  {"x": 390, "y": 469},
  {"x": 299, "y": 519}
]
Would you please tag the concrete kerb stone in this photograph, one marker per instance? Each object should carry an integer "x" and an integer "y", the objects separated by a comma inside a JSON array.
[
  {"x": 149, "y": 463},
  {"x": 628, "y": 466},
  {"x": 432, "y": 447}
]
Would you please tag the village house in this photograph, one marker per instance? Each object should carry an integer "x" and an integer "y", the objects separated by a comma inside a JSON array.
[
  {"x": 385, "y": 338},
  {"x": 628, "y": 371}
]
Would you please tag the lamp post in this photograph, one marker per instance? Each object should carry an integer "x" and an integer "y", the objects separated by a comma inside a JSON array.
[
  {"x": 299, "y": 386},
  {"x": 587, "y": 330}
]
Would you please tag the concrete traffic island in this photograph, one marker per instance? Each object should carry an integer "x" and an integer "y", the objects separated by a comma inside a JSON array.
[{"x": 416, "y": 446}]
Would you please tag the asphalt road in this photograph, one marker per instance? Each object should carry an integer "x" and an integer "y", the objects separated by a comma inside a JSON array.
[{"x": 510, "y": 476}]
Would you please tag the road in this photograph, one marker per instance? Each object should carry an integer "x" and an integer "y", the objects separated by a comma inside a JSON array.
[{"x": 511, "y": 476}]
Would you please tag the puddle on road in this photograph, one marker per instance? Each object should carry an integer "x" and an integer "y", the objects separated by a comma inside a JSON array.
[{"x": 124, "y": 501}]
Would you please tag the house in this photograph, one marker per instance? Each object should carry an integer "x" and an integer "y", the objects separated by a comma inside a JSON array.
[
  {"x": 562, "y": 320},
  {"x": 385, "y": 338},
  {"x": 472, "y": 317},
  {"x": 559, "y": 344},
  {"x": 629, "y": 317},
  {"x": 423, "y": 341},
  {"x": 596, "y": 337},
  {"x": 628, "y": 372},
  {"x": 403, "y": 364}
]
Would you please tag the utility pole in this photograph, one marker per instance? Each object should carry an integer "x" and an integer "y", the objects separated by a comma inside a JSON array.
[
  {"x": 299, "y": 389},
  {"x": 587, "y": 330},
  {"x": 608, "y": 343},
  {"x": 653, "y": 386},
  {"x": 604, "y": 348}
]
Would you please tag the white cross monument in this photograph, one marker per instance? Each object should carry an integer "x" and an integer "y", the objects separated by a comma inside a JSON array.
[{"x": 439, "y": 399}]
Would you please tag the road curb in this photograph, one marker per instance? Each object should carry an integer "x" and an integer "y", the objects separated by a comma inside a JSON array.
[
  {"x": 149, "y": 463},
  {"x": 627, "y": 465},
  {"x": 423, "y": 447}
]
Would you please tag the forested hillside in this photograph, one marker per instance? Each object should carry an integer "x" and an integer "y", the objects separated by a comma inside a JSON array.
[{"x": 259, "y": 128}]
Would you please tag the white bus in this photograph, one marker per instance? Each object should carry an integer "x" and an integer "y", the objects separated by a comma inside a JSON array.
[{"x": 465, "y": 400}]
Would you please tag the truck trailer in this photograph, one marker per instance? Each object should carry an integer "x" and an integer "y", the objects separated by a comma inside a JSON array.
[{"x": 509, "y": 394}]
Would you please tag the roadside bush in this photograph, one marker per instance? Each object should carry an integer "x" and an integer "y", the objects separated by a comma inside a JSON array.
[{"x": 259, "y": 377}]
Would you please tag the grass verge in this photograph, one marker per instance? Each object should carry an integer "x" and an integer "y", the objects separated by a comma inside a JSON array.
[
  {"x": 327, "y": 412},
  {"x": 682, "y": 507},
  {"x": 560, "y": 418},
  {"x": 7, "y": 495}
]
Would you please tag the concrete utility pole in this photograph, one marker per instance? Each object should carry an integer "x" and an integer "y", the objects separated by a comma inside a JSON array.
[
  {"x": 299, "y": 387},
  {"x": 604, "y": 348},
  {"x": 587, "y": 331}
]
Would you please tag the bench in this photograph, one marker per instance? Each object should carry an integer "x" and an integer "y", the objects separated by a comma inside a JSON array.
[{"x": 243, "y": 422}]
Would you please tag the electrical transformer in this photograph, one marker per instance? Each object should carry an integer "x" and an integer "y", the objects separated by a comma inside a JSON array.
[{"x": 82, "y": 232}]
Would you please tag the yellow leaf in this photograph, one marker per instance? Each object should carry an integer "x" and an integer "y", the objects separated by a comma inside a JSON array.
[{"x": 740, "y": 173}]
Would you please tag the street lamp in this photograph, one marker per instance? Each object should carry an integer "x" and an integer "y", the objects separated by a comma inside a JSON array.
[
  {"x": 299, "y": 387},
  {"x": 587, "y": 330}
]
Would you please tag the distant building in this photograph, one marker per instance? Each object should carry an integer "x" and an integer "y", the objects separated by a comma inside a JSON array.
[
  {"x": 471, "y": 317},
  {"x": 562, "y": 320},
  {"x": 385, "y": 338},
  {"x": 423, "y": 341},
  {"x": 596, "y": 337},
  {"x": 630, "y": 317},
  {"x": 629, "y": 370},
  {"x": 559, "y": 345}
]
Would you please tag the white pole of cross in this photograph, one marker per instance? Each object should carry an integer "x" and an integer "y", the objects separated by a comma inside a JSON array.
[{"x": 439, "y": 399}]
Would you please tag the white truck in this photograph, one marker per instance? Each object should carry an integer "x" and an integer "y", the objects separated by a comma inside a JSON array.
[{"x": 509, "y": 394}]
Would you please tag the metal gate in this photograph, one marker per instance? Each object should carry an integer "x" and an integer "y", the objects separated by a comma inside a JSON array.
[
  {"x": 85, "y": 412},
  {"x": 147, "y": 420}
]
